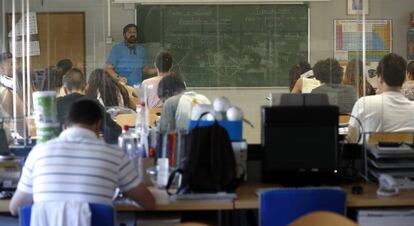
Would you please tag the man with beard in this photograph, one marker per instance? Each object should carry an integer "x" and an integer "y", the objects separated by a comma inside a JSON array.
[{"x": 128, "y": 59}]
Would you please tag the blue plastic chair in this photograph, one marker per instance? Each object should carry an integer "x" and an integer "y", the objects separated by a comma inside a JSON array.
[
  {"x": 280, "y": 207},
  {"x": 102, "y": 215}
]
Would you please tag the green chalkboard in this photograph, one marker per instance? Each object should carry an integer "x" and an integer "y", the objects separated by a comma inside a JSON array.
[{"x": 228, "y": 45}]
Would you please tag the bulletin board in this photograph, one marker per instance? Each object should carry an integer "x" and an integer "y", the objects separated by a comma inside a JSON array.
[
  {"x": 60, "y": 35},
  {"x": 348, "y": 39}
]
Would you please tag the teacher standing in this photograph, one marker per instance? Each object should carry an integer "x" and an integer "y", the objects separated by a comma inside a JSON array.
[{"x": 128, "y": 59}]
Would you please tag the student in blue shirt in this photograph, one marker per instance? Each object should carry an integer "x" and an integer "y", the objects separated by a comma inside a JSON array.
[{"x": 128, "y": 59}]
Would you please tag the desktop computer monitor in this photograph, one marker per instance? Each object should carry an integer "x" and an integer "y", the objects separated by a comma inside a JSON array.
[
  {"x": 300, "y": 144},
  {"x": 298, "y": 99}
]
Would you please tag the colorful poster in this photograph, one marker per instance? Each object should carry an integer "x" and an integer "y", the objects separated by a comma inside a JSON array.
[{"x": 349, "y": 39}]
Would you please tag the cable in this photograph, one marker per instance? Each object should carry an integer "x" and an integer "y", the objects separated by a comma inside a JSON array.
[{"x": 360, "y": 126}]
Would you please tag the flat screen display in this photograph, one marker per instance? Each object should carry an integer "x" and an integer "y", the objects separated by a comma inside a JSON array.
[{"x": 299, "y": 140}]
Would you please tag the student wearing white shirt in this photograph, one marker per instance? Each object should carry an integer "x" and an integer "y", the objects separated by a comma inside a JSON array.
[
  {"x": 390, "y": 110},
  {"x": 78, "y": 166},
  {"x": 163, "y": 64}
]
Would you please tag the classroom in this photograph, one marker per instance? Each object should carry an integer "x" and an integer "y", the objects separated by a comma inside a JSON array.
[{"x": 242, "y": 52}]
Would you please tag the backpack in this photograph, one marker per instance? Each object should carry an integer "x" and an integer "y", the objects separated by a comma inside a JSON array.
[{"x": 208, "y": 164}]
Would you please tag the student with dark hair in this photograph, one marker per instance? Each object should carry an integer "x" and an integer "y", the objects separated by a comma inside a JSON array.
[
  {"x": 78, "y": 167},
  {"x": 178, "y": 103},
  {"x": 330, "y": 73},
  {"x": 127, "y": 60},
  {"x": 7, "y": 90},
  {"x": 390, "y": 110},
  {"x": 408, "y": 86},
  {"x": 6, "y": 87},
  {"x": 53, "y": 81},
  {"x": 296, "y": 71},
  {"x": 170, "y": 86},
  {"x": 108, "y": 91},
  {"x": 65, "y": 65},
  {"x": 354, "y": 76},
  {"x": 163, "y": 64},
  {"x": 306, "y": 81},
  {"x": 74, "y": 85}
]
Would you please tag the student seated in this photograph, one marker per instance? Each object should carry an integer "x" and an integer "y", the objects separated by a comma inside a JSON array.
[
  {"x": 6, "y": 86},
  {"x": 178, "y": 103},
  {"x": 52, "y": 81},
  {"x": 74, "y": 85},
  {"x": 296, "y": 71},
  {"x": 390, "y": 110},
  {"x": 106, "y": 90},
  {"x": 354, "y": 76},
  {"x": 78, "y": 167},
  {"x": 163, "y": 64},
  {"x": 408, "y": 86},
  {"x": 329, "y": 72},
  {"x": 306, "y": 82}
]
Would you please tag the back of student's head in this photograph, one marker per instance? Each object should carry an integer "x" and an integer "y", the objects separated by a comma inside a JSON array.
[
  {"x": 65, "y": 65},
  {"x": 163, "y": 61},
  {"x": 391, "y": 69},
  {"x": 410, "y": 70},
  {"x": 353, "y": 72},
  {"x": 84, "y": 111},
  {"x": 296, "y": 71},
  {"x": 108, "y": 88},
  {"x": 74, "y": 80},
  {"x": 170, "y": 85},
  {"x": 328, "y": 71},
  {"x": 53, "y": 79}
]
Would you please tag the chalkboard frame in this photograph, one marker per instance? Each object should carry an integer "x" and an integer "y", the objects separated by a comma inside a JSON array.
[{"x": 218, "y": 80}]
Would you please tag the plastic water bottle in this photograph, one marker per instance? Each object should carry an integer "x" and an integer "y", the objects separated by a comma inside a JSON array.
[
  {"x": 140, "y": 122},
  {"x": 128, "y": 141},
  {"x": 141, "y": 129}
]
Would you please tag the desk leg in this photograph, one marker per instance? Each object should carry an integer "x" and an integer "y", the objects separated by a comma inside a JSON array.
[
  {"x": 219, "y": 217},
  {"x": 245, "y": 217}
]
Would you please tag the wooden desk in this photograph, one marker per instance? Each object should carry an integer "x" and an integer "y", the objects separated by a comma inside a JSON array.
[
  {"x": 247, "y": 198},
  {"x": 163, "y": 204}
]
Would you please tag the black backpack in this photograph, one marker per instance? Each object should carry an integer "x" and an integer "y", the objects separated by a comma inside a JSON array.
[{"x": 208, "y": 164}]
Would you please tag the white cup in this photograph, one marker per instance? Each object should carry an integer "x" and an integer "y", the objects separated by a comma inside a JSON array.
[{"x": 162, "y": 174}]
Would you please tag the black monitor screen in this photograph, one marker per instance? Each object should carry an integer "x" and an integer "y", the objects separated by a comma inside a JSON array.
[{"x": 299, "y": 140}]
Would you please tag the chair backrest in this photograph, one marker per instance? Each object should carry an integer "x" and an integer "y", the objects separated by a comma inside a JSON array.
[
  {"x": 323, "y": 218},
  {"x": 280, "y": 207},
  {"x": 404, "y": 137},
  {"x": 102, "y": 215},
  {"x": 344, "y": 119}
]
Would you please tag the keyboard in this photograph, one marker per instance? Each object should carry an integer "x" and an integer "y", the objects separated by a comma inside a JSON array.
[{"x": 198, "y": 196}]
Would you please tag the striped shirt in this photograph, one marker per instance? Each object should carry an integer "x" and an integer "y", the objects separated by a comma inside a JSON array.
[{"x": 76, "y": 166}]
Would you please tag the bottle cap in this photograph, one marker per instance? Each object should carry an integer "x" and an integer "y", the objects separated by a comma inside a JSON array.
[{"x": 125, "y": 128}]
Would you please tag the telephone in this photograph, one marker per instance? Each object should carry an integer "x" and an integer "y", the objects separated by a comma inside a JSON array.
[
  {"x": 390, "y": 186},
  {"x": 387, "y": 186}
]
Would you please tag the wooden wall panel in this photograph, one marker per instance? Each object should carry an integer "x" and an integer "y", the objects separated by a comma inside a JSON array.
[{"x": 61, "y": 35}]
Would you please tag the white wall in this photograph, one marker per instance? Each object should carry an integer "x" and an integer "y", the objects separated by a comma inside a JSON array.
[{"x": 249, "y": 99}]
